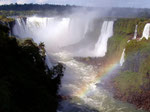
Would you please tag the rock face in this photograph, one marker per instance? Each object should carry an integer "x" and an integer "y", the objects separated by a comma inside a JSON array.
[
  {"x": 133, "y": 82},
  {"x": 9, "y": 22},
  {"x": 26, "y": 82},
  {"x": 140, "y": 99}
]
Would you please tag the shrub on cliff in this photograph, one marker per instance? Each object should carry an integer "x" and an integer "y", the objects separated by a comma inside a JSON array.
[
  {"x": 26, "y": 83},
  {"x": 134, "y": 78}
]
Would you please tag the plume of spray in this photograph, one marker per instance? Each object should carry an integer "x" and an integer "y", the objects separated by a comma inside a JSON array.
[{"x": 64, "y": 31}]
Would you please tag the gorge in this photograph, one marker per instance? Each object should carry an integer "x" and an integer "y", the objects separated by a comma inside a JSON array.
[
  {"x": 68, "y": 37},
  {"x": 74, "y": 59}
]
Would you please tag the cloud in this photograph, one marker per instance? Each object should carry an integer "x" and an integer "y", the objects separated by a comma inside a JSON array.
[{"x": 5, "y": 2}]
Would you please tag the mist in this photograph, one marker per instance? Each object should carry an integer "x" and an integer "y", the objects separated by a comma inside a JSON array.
[
  {"x": 84, "y": 32},
  {"x": 79, "y": 33}
]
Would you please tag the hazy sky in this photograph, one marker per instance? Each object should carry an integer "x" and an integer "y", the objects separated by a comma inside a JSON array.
[{"x": 109, "y": 3}]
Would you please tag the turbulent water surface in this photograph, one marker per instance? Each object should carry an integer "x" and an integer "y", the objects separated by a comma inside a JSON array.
[{"x": 82, "y": 93}]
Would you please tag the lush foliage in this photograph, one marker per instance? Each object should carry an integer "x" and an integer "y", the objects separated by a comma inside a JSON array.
[
  {"x": 26, "y": 83},
  {"x": 34, "y": 9},
  {"x": 135, "y": 73},
  {"x": 129, "y": 82},
  {"x": 124, "y": 31},
  {"x": 125, "y": 26},
  {"x": 29, "y": 7},
  {"x": 116, "y": 44},
  {"x": 141, "y": 25},
  {"x": 5, "y": 19},
  {"x": 18, "y": 13}
]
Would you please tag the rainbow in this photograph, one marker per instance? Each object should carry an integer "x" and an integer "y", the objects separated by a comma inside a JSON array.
[{"x": 107, "y": 68}]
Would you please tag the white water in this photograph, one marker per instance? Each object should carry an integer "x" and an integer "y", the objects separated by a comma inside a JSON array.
[
  {"x": 59, "y": 32},
  {"x": 146, "y": 31},
  {"x": 106, "y": 33},
  {"x": 50, "y": 29},
  {"x": 135, "y": 33},
  {"x": 128, "y": 41},
  {"x": 77, "y": 74},
  {"x": 122, "y": 59}
]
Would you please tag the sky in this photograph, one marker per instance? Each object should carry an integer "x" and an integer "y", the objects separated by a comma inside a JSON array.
[{"x": 97, "y": 3}]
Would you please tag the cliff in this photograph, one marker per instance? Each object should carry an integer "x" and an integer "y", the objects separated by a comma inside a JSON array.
[
  {"x": 132, "y": 83},
  {"x": 26, "y": 82}
]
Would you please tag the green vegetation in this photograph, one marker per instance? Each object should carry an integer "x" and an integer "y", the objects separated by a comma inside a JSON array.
[
  {"x": 124, "y": 31},
  {"x": 125, "y": 26},
  {"x": 26, "y": 83},
  {"x": 5, "y": 19},
  {"x": 18, "y": 13},
  {"x": 135, "y": 74},
  {"x": 132, "y": 82},
  {"x": 116, "y": 44},
  {"x": 129, "y": 82},
  {"x": 34, "y": 9},
  {"x": 137, "y": 46},
  {"x": 141, "y": 26}
]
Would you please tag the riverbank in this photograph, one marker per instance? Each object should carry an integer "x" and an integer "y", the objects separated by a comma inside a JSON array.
[{"x": 131, "y": 82}]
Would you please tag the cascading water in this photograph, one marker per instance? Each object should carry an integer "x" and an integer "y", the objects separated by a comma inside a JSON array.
[
  {"x": 47, "y": 28},
  {"x": 106, "y": 33},
  {"x": 135, "y": 33},
  {"x": 146, "y": 31},
  {"x": 80, "y": 80},
  {"x": 63, "y": 31},
  {"x": 122, "y": 60}
]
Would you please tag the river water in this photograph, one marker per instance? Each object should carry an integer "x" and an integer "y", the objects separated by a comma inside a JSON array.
[{"x": 81, "y": 84}]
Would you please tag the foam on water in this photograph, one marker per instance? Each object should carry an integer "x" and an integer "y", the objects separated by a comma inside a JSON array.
[
  {"x": 81, "y": 77},
  {"x": 80, "y": 80}
]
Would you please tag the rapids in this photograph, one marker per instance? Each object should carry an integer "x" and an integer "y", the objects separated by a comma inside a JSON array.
[
  {"x": 80, "y": 85},
  {"x": 94, "y": 98}
]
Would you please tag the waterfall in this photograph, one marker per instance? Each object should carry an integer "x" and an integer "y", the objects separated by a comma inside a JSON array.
[
  {"x": 135, "y": 33},
  {"x": 43, "y": 29},
  {"x": 47, "y": 61},
  {"x": 9, "y": 30},
  {"x": 63, "y": 31},
  {"x": 77, "y": 75},
  {"x": 146, "y": 31},
  {"x": 122, "y": 57},
  {"x": 106, "y": 33},
  {"x": 77, "y": 29}
]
